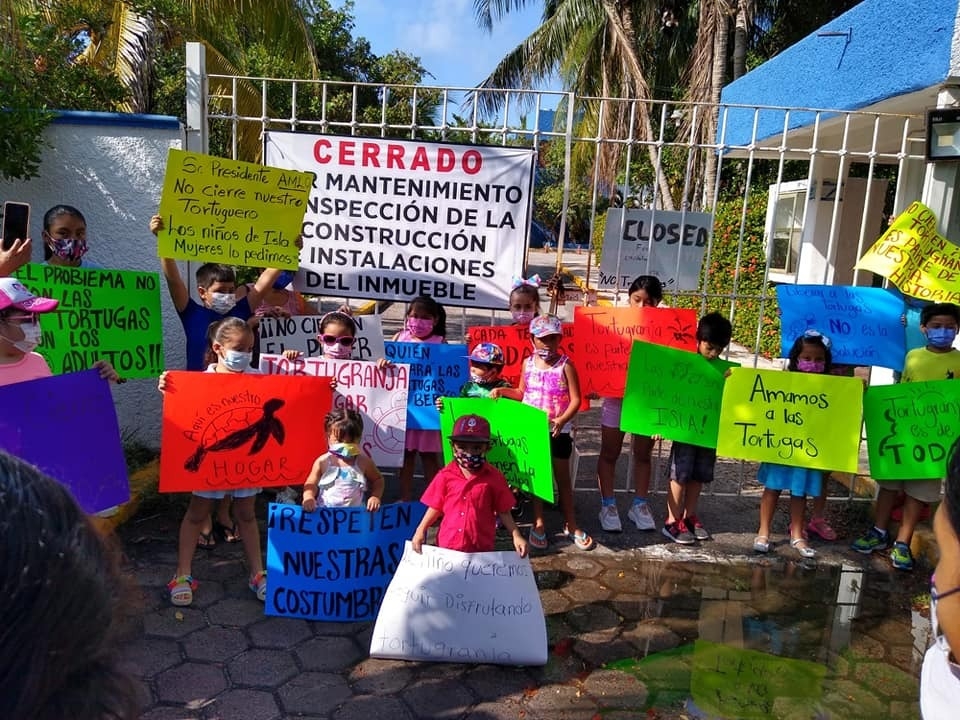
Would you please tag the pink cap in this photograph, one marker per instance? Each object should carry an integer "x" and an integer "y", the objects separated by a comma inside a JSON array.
[{"x": 14, "y": 294}]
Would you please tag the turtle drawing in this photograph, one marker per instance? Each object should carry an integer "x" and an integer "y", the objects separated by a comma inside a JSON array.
[{"x": 223, "y": 438}]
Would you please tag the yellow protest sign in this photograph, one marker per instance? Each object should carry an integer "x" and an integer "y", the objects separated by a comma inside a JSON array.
[
  {"x": 791, "y": 418},
  {"x": 916, "y": 258},
  {"x": 232, "y": 212}
]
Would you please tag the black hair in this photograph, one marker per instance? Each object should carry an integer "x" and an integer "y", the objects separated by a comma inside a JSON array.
[
  {"x": 531, "y": 291},
  {"x": 210, "y": 273},
  {"x": 345, "y": 424},
  {"x": 798, "y": 348},
  {"x": 650, "y": 284},
  {"x": 62, "y": 600},
  {"x": 951, "y": 488},
  {"x": 715, "y": 329},
  {"x": 339, "y": 317},
  {"x": 52, "y": 214},
  {"x": 430, "y": 306},
  {"x": 931, "y": 311}
]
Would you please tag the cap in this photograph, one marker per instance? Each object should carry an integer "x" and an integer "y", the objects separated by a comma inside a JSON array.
[
  {"x": 14, "y": 294},
  {"x": 472, "y": 428},
  {"x": 543, "y": 325},
  {"x": 487, "y": 353}
]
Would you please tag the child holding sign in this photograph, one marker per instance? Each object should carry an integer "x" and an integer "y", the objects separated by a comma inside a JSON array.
[
  {"x": 469, "y": 493},
  {"x": 810, "y": 354},
  {"x": 939, "y": 360},
  {"x": 341, "y": 475}
]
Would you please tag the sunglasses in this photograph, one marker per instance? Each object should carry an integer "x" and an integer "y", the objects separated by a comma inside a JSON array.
[{"x": 342, "y": 341}]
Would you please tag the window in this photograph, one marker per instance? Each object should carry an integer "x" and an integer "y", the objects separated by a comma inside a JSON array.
[{"x": 786, "y": 227}]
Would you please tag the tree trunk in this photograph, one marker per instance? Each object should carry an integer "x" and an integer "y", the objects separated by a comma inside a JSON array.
[
  {"x": 740, "y": 40},
  {"x": 718, "y": 74}
]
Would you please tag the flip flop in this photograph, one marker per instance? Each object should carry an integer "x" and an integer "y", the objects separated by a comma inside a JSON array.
[
  {"x": 206, "y": 541},
  {"x": 580, "y": 539},
  {"x": 227, "y": 534},
  {"x": 537, "y": 540},
  {"x": 181, "y": 590},
  {"x": 258, "y": 585}
]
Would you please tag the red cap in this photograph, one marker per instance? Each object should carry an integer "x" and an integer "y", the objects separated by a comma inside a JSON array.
[{"x": 471, "y": 428}]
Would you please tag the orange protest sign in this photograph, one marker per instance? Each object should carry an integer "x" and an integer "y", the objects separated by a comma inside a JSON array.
[
  {"x": 604, "y": 335},
  {"x": 226, "y": 432}
]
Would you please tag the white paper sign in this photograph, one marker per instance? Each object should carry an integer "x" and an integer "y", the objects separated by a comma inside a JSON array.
[
  {"x": 663, "y": 238},
  {"x": 299, "y": 332},
  {"x": 449, "y": 606},
  {"x": 378, "y": 394},
  {"x": 394, "y": 219}
]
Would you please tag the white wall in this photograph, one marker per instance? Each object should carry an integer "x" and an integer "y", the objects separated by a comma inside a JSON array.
[{"x": 111, "y": 168}]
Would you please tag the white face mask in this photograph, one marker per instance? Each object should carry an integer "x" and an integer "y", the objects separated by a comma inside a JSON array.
[
  {"x": 235, "y": 360},
  {"x": 31, "y": 338},
  {"x": 222, "y": 302}
]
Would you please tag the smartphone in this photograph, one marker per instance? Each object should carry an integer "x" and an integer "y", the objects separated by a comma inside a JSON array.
[{"x": 16, "y": 223}]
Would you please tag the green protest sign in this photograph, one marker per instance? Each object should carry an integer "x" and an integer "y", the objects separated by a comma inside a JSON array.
[
  {"x": 520, "y": 446},
  {"x": 111, "y": 315},
  {"x": 673, "y": 393},
  {"x": 910, "y": 428}
]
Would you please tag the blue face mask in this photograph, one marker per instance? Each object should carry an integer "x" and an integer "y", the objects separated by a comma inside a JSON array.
[
  {"x": 285, "y": 278},
  {"x": 941, "y": 337}
]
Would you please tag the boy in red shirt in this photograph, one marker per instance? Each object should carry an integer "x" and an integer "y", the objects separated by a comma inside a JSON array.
[{"x": 470, "y": 494}]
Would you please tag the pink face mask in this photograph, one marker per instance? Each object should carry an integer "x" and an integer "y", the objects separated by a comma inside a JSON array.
[
  {"x": 811, "y": 366},
  {"x": 420, "y": 327}
]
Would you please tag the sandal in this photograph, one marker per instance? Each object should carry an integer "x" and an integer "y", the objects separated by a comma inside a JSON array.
[
  {"x": 207, "y": 541},
  {"x": 821, "y": 528},
  {"x": 181, "y": 590},
  {"x": 580, "y": 539},
  {"x": 800, "y": 545},
  {"x": 537, "y": 540},
  {"x": 227, "y": 534},
  {"x": 258, "y": 585},
  {"x": 761, "y": 544}
]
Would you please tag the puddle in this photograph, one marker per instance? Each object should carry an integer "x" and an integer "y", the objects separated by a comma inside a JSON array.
[{"x": 755, "y": 641}]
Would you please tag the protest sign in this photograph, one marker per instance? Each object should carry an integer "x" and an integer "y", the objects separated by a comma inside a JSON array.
[
  {"x": 230, "y": 431},
  {"x": 232, "y": 212},
  {"x": 791, "y": 418},
  {"x": 603, "y": 338},
  {"x": 673, "y": 393},
  {"x": 910, "y": 427},
  {"x": 299, "y": 332},
  {"x": 436, "y": 370},
  {"x": 378, "y": 394},
  {"x": 395, "y": 219},
  {"x": 520, "y": 446},
  {"x": 864, "y": 324},
  {"x": 67, "y": 426},
  {"x": 664, "y": 243},
  {"x": 111, "y": 315},
  {"x": 334, "y": 564},
  {"x": 448, "y": 606},
  {"x": 916, "y": 258}
]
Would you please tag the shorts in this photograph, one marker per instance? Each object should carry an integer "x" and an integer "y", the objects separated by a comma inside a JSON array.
[
  {"x": 221, "y": 494},
  {"x": 692, "y": 463},
  {"x": 928, "y": 491},
  {"x": 610, "y": 410},
  {"x": 561, "y": 446}
]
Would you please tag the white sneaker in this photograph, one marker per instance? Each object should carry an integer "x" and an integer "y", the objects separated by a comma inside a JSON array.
[
  {"x": 287, "y": 496},
  {"x": 610, "y": 519},
  {"x": 642, "y": 517}
]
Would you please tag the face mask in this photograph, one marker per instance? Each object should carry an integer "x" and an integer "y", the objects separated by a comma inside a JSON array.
[
  {"x": 235, "y": 360},
  {"x": 345, "y": 450},
  {"x": 469, "y": 461},
  {"x": 420, "y": 327},
  {"x": 31, "y": 338},
  {"x": 336, "y": 351},
  {"x": 522, "y": 317},
  {"x": 482, "y": 379},
  {"x": 222, "y": 302},
  {"x": 811, "y": 366},
  {"x": 286, "y": 277},
  {"x": 68, "y": 248},
  {"x": 941, "y": 337}
]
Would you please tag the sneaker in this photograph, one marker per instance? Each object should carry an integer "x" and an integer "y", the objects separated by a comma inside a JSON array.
[
  {"x": 642, "y": 517},
  {"x": 901, "y": 557},
  {"x": 610, "y": 519},
  {"x": 699, "y": 531},
  {"x": 287, "y": 496},
  {"x": 678, "y": 532},
  {"x": 874, "y": 540}
]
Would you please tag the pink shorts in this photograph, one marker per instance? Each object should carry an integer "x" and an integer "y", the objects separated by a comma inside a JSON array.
[
  {"x": 425, "y": 441},
  {"x": 610, "y": 410}
]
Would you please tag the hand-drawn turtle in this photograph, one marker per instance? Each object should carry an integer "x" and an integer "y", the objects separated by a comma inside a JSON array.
[{"x": 259, "y": 431}]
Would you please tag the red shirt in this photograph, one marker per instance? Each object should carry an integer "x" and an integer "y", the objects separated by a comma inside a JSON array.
[{"x": 469, "y": 506}]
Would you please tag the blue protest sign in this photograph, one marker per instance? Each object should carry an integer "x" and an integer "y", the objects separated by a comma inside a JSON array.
[
  {"x": 864, "y": 324},
  {"x": 436, "y": 370},
  {"x": 334, "y": 563}
]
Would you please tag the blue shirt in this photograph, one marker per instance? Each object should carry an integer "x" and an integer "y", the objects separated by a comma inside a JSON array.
[{"x": 196, "y": 319}]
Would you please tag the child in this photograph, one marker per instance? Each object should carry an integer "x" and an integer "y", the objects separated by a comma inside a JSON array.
[
  {"x": 550, "y": 382},
  {"x": 810, "y": 354},
  {"x": 233, "y": 344},
  {"x": 470, "y": 494},
  {"x": 486, "y": 364},
  {"x": 692, "y": 466},
  {"x": 644, "y": 291},
  {"x": 342, "y": 474},
  {"x": 65, "y": 237},
  {"x": 426, "y": 321},
  {"x": 525, "y": 300},
  {"x": 937, "y": 361}
]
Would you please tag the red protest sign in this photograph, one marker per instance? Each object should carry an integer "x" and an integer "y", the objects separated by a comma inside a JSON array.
[
  {"x": 604, "y": 336},
  {"x": 226, "y": 432}
]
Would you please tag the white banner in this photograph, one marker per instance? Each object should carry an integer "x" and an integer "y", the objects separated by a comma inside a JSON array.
[
  {"x": 378, "y": 394},
  {"x": 299, "y": 332},
  {"x": 449, "y": 606},
  {"x": 394, "y": 219},
  {"x": 659, "y": 236}
]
